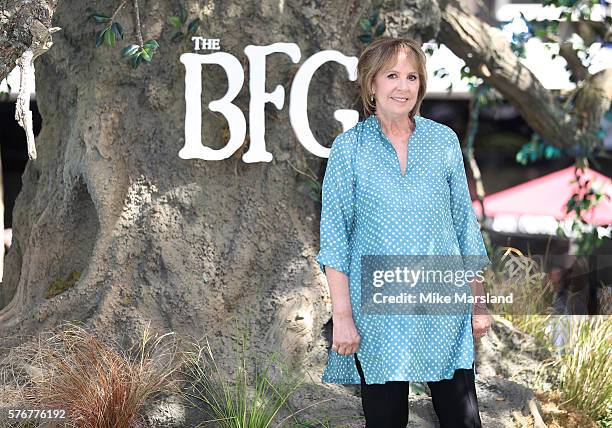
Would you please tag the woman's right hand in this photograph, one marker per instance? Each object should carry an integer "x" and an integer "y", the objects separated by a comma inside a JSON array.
[{"x": 345, "y": 337}]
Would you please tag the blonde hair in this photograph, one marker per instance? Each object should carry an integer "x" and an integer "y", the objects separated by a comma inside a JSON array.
[{"x": 381, "y": 53}]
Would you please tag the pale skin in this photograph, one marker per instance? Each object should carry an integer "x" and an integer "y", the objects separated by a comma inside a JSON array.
[{"x": 395, "y": 90}]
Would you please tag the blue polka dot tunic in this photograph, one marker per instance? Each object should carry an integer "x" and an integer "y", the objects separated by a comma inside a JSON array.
[{"x": 370, "y": 208}]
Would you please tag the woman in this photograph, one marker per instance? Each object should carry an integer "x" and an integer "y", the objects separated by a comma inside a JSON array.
[{"x": 395, "y": 185}]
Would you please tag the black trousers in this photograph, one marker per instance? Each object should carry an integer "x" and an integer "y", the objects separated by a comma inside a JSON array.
[{"x": 454, "y": 400}]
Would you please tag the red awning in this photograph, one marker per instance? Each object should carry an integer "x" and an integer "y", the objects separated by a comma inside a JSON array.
[{"x": 548, "y": 196}]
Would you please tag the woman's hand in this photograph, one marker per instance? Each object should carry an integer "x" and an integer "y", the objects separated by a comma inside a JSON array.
[
  {"x": 481, "y": 321},
  {"x": 346, "y": 339}
]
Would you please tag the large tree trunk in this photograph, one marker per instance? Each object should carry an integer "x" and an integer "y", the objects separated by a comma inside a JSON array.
[{"x": 188, "y": 244}]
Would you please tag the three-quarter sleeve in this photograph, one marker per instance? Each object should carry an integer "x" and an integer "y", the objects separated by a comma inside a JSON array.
[
  {"x": 337, "y": 210},
  {"x": 465, "y": 223}
]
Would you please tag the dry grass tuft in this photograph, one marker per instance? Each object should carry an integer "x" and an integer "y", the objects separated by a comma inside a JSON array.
[{"x": 98, "y": 384}]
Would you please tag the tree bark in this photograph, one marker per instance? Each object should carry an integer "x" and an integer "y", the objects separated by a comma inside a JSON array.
[{"x": 20, "y": 22}]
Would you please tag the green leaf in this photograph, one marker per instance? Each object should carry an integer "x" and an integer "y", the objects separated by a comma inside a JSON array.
[
  {"x": 152, "y": 43},
  {"x": 99, "y": 17},
  {"x": 109, "y": 38},
  {"x": 129, "y": 50},
  {"x": 118, "y": 30},
  {"x": 135, "y": 60},
  {"x": 365, "y": 24},
  {"x": 541, "y": 33},
  {"x": 146, "y": 54},
  {"x": 560, "y": 232},
  {"x": 585, "y": 204},
  {"x": 175, "y": 21},
  {"x": 183, "y": 14},
  {"x": 554, "y": 27},
  {"x": 365, "y": 38},
  {"x": 465, "y": 72},
  {"x": 100, "y": 36},
  {"x": 533, "y": 156},
  {"x": 374, "y": 16},
  {"x": 380, "y": 29},
  {"x": 177, "y": 36},
  {"x": 313, "y": 184},
  {"x": 552, "y": 152},
  {"x": 193, "y": 25}
]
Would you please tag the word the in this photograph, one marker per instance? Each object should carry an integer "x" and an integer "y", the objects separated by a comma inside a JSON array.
[{"x": 206, "y": 44}]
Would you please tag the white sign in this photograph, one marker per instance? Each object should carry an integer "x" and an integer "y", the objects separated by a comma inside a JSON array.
[
  {"x": 194, "y": 147},
  {"x": 200, "y": 43}
]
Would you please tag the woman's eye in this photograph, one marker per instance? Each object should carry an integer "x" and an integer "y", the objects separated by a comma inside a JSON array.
[{"x": 411, "y": 77}]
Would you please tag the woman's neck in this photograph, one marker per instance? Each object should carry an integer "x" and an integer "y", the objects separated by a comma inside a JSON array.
[{"x": 395, "y": 126}]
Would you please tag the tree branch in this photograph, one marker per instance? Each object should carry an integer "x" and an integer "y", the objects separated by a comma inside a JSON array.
[
  {"x": 138, "y": 31},
  {"x": 590, "y": 31},
  {"x": 20, "y": 21},
  {"x": 574, "y": 64},
  {"x": 488, "y": 55},
  {"x": 593, "y": 99},
  {"x": 117, "y": 10}
]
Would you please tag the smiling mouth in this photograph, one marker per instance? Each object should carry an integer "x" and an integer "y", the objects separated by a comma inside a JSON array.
[{"x": 398, "y": 99}]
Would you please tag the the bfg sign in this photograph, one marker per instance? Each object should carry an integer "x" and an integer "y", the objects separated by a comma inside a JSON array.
[{"x": 195, "y": 147}]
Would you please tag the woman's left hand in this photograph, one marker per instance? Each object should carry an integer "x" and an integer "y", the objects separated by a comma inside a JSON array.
[{"x": 481, "y": 321}]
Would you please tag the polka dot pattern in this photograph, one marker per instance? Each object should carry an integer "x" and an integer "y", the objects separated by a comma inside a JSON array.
[{"x": 370, "y": 208}]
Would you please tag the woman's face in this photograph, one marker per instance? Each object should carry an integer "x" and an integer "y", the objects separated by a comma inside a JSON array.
[{"x": 396, "y": 88}]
